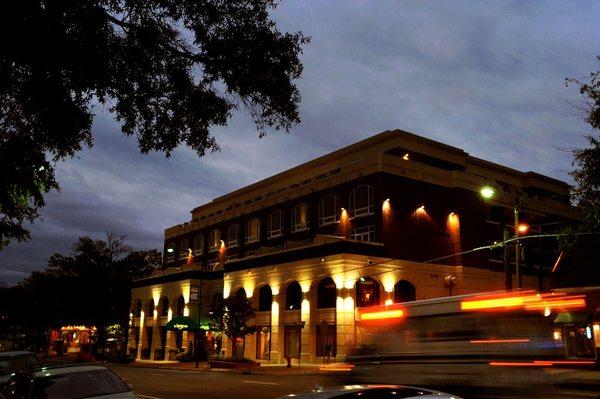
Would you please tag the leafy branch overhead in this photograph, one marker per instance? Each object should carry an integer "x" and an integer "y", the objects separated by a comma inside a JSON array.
[{"x": 168, "y": 70}]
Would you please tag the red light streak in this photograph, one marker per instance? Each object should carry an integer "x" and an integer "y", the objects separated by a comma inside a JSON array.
[
  {"x": 391, "y": 312},
  {"x": 522, "y": 364},
  {"x": 523, "y": 300}
]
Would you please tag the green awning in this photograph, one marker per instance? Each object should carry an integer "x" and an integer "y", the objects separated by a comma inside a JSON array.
[
  {"x": 182, "y": 323},
  {"x": 571, "y": 317}
]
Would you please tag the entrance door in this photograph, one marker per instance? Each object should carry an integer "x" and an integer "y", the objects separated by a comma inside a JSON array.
[{"x": 292, "y": 341}]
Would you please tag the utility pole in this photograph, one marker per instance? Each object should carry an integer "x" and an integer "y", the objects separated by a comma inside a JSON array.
[
  {"x": 506, "y": 261},
  {"x": 517, "y": 247}
]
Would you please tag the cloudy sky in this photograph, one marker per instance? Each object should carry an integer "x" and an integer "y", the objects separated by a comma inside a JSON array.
[{"x": 487, "y": 77}]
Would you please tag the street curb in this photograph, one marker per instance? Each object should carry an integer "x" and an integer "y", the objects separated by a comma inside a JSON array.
[{"x": 215, "y": 370}]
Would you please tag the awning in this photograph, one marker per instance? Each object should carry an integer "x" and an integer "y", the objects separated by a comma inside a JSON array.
[
  {"x": 182, "y": 323},
  {"x": 571, "y": 317}
]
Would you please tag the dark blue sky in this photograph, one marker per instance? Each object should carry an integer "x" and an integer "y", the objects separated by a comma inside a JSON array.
[{"x": 487, "y": 77}]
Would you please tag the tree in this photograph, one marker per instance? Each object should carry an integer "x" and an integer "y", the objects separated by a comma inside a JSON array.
[
  {"x": 231, "y": 318},
  {"x": 168, "y": 70}
]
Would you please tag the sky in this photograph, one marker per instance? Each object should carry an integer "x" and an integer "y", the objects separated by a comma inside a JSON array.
[{"x": 484, "y": 76}]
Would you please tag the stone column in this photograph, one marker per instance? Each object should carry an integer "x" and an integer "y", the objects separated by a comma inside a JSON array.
[
  {"x": 141, "y": 338},
  {"x": 345, "y": 307},
  {"x": 276, "y": 333},
  {"x": 306, "y": 348},
  {"x": 155, "y": 335}
]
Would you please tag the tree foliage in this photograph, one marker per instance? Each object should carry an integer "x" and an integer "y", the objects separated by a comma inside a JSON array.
[
  {"x": 168, "y": 71},
  {"x": 91, "y": 286},
  {"x": 232, "y": 317}
]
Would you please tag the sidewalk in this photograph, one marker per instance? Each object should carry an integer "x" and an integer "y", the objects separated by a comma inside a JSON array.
[{"x": 203, "y": 367}]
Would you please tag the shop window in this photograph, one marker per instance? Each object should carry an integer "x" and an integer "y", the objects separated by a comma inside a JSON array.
[
  {"x": 367, "y": 292},
  {"x": 265, "y": 298},
  {"x": 329, "y": 211},
  {"x": 293, "y": 296},
  {"x": 233, "y": 235},
  {"x": 326, "y": 340},
  {"x": 300, "y": 218},
  {"x": 275, "y": 228},
  {"x": 183, "y": 249},
  {"x": 326, "y": 293},
  {"x": 263, "y": 342},
  {"x": 366, "y": 233},
  {"x": 252, "y": 230},
  {"x": 291, "y": 336},
  {"x": 240, "y": 344},
  {"x": 404, "y": 291},
  {"x": 215, "y": 241},
  {"x": 198, "y": 245},
  {"x": 361, "y": 201}
]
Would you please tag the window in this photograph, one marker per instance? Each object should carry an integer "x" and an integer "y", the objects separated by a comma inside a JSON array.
[
  {"x": 263, "y": 342},
  {"x": 328, "y": 210},
  {"x": 366, "y": 233},
  {"x": 183, "y": 249},
  {"x": 137, "y": 309},
  {"x": 361, "y": 201},
  {"x": 326, "y": 339},
  {"x": 275, "y": 225},
  {"x": 164, "y": 306},
  {"x": 241, "y": 293},
  {"x": 198, "y": 245},
  {"x": 326, "y": 293},
  {"x": 291, "y": 336},
  {"x": 215, "y": 241},
  {"x": 252, "y": 253},
  {"x": 404, "y": 291},
  {"x": 180, "y": 306},
  {"x": 232, "y": 258},
  {"x": 150, "y": 308},
  {"x": 233, "y": 235},
  {"x": 293, "y": 296},
  {"x": 367, "y": 292},
  {"x": 252, "y": 230},
  {"x": 265, "y": 298},
  {"x": 300, "y": 218},
  {"x": 170, "y": 256},
  {"x": 212, "y": 264}
]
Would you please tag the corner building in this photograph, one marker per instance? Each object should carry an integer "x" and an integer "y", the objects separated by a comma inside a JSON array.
[{"x": 389, "y": 219}]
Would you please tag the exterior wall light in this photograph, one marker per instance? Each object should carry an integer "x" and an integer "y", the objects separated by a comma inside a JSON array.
[
  {"x": 170, "y": 250},
  {"x": 523, "y": 228},
  {"x": 406, "y": 157},
  {"x": 487, "y": 192}
]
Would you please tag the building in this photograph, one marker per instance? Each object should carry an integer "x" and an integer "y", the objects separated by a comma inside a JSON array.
[{"x": 392, "y": 218}]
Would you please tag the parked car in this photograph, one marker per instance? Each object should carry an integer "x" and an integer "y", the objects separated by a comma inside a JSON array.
[
  {"x": 74, "y": 381},
  {"x": 373, "y": 392},
  {"x": 15, "y": 361}
]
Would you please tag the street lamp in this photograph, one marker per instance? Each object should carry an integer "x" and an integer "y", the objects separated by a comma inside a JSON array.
[{"x": 487, "y": 192}]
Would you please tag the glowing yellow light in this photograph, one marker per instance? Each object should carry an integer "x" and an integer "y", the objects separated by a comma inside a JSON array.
[
  {"x": 523, "y": 228},
  {"x": 547, "y": 311},
  {"x": 487, "y": 192},
  {"x": 348, "y": 304},
  {"x": 557, "y": 335},
  {"x": 388, "y": 302},
  {"x": 383, "y": 315},
  {"x": 406, "y": 157}
]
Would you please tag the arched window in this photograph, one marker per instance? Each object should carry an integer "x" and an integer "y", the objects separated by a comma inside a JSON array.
[
  {"x": 233, "y": 235},
  {"x": 170, "y": 255},
  {"x": 326, "y": 293},
  {"x": 241, "y": 293},
  {"x": 275, "y": 225},
  {"x": 198, "y": 244},
  {"x": 265, "y": 298},
  {"x": 183, "y": 248},
  {"x": 164, "y": 306},
  {"x": 404, "y": 291},
  {"x": 361, "y": 201},
  {"x": 180, "y": 305},
  {"x": 215, "y": 241},
  {"x": 367, "y": 292},
  {"x": 300, "y": 217},
  {"x": 150, "y": 308},
  {"x": 252, "y": 230},
  {"x": 217, "y": 303},
  {"x": 137, "y": 308},
  {"x": 293, "y": 296},
  {"x": 329, "y": 211}
]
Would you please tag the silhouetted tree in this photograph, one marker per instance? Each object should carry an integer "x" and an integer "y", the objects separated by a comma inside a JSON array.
[
  {"x": 232, "y": 318},
  {"x": 168, "y": 71}
]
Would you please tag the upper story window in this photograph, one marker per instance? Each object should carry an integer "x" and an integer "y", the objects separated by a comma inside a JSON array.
[
  {"x": 233, "y": 235},
  {"x": 300, "y": 218},
  {"x": 215, "y": 241},
  {"x": 253, "y": 230},
  {"x": 183, "y": 249},
  {"x": 367, "y": 292},
  {"x": 170, "y": 255},
  {"x": 275, "y": 228},
  {"x": 366, "y": 233},
  {"x": 362, "y": 201},
  {"x": 198, "y": 244},
  {"x": 328, "y": 210}
]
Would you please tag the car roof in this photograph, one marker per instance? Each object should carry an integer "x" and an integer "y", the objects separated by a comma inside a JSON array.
[
  {"x": 67, "y": 369},
  {"x": 325, "y": 393},
  {"x": 16, "y": 354}
]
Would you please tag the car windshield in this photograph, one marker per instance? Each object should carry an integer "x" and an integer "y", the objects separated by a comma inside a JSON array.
[
  {"x": 78, "y": 385},
  {"x": 12, "y": 364}
]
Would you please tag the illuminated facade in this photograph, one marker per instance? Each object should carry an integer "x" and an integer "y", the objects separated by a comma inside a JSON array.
[{"x": 389, "y": 219}]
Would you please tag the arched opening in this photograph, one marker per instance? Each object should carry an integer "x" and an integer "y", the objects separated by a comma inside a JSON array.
[
  {"x": 241, "y": 293},
  {"x": 326, "y": 293},
  {"x": 180, "y": 305},
  {"x": 163, "y": 306},
  {"x": 293, "y": 296},
  {"x": 404, "y": 291},
  {"x": 137, "y": 308},
  {"x": 150, "y": 308},
  {"x": 265, "y": 298},
  {"x": 367, "y": 292},
  {"x": 217, "y": 303}
]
